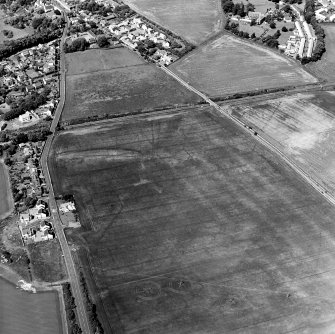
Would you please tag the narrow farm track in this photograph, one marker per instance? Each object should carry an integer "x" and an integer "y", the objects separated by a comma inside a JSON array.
[
  {"x": 225, "y": 111},
  {"x": 72, "y": 273}
]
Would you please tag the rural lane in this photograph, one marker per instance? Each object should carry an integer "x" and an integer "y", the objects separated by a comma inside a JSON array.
[
  {"x": 72, "y": 273},
  {"x": 225, "y": 112}
]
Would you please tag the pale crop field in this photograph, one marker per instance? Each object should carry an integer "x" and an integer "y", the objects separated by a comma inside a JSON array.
[
  {"x": 228, "y": 65},
  {"x": 195, "y": 20},
  {"x": 302, "y": 126}
]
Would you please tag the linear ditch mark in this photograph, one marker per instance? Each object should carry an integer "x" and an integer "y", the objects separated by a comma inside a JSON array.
[{"x": 106, "y": 70}]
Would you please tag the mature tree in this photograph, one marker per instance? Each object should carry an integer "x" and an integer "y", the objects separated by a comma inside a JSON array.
[
  {"x": 273, "y": 25},
  {"x": 102, "y": 41}
]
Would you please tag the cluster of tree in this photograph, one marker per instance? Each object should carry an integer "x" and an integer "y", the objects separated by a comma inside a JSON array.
[
  {"x": 102, "y": 41},
  {"x": 95, "y": 8},
  {"x": 91, "y": 308},
  {"x": 271, "y": 41},
  {"x": 27, "y": 103},
  {"x": 79, "y": 44},
  {"x": 123, "y": 11},
  {"x": 240, "y": 9},
  {"x": 39, "y": 132},
  {"x": 18, "y": 21},
  {"x": 8, "y": 256},
  {"x": 320, "y": 46},
  {"x": 291, "y": 2},
  {"x": 44, "y": 36},
  {"x": 44, "y": 22},
  {"x": 8, "y": 33},
  {"x": 69, "y": 308}
]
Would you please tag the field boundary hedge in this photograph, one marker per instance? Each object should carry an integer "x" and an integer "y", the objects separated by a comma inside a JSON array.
[{"x": 62, "y": 125}]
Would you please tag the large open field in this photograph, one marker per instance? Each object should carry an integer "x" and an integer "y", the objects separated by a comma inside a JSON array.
[
  {"x": 193, "y": 227},
  {"x": 228, "y": 65},
  {"x": 195, "y": 20},
  {"x": 325, "y": 68},
  {"x": 302, "y": 126},
  {"x": 117, "y": 81}
]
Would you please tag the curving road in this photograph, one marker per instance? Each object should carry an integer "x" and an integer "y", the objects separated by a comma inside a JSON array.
[
  {"x": 72, "y": 273},
  {"x": 225, "y": 112}
]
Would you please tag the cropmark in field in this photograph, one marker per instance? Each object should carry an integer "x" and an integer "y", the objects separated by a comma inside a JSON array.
[
  {"x": 302, "y": 126},
  {"x": 117, "y": 82},
  {"x": 228, "y": 65},
  {"x": 194, "y": 20},
  {"x": 191, "y": 226}
]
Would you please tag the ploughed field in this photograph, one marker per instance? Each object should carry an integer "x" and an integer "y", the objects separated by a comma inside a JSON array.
[
  {"x": 194, "y": 20},
  {"x": 302, "y": 126},
  {"x": 117, "y": 81},
  {"x": 228, "y": 65},
  {"x": 191, "y": 226},
  {"x": 325, "y": 67}
]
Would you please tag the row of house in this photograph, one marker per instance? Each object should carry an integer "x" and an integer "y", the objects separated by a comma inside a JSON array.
[
  {"x": 302, "y": 42},
  {"x": 34, "y": 223},
  {"x": 325, "y": 10},
  {"x": 131, "y": 32}
]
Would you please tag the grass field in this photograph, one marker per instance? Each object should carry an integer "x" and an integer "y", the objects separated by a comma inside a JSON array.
[
  {"x": 325, "y": 68},
  {"x": 228, "y": 65},
  {"x": 26, "y": 313},
  {"x": 6, "y": 202},
  {"x": 47, "y": 261},
  {"x": 302, "y": 126},
  {"x": 116, "y": 82},
  {"x": 192, "y": 227},
  {"x": 195, "y": 20}
]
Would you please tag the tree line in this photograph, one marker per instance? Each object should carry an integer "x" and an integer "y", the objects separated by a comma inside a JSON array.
[
  {"x": 90, "y": 307},
  {"x": 240, "y": 9},
  {"x": 320, "y": 46},
  {"x": 29, "y": 102}
]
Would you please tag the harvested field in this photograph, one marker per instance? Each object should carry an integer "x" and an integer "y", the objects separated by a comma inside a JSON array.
[
  {"x": 99, "y": 60},
  {"x": 193, "y": 227},
  {"x": 123, "y": 84},
  {"x": 325, "y": 68},
  {"x": 228, "y": 65},
  {"x": 302, "y": 126},
  {"x": 194, "y": 20}
]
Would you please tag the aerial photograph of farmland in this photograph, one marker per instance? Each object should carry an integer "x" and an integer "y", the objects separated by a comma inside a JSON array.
[
  {"x": 118, "y": 82},
  {"x": 195, "y": 20},
  {"x": 228, "y": 65},
  {"x": 167, "y": 167},
  {"x": 189, "y": 227},
  {"x": 301, "y": 125}
]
